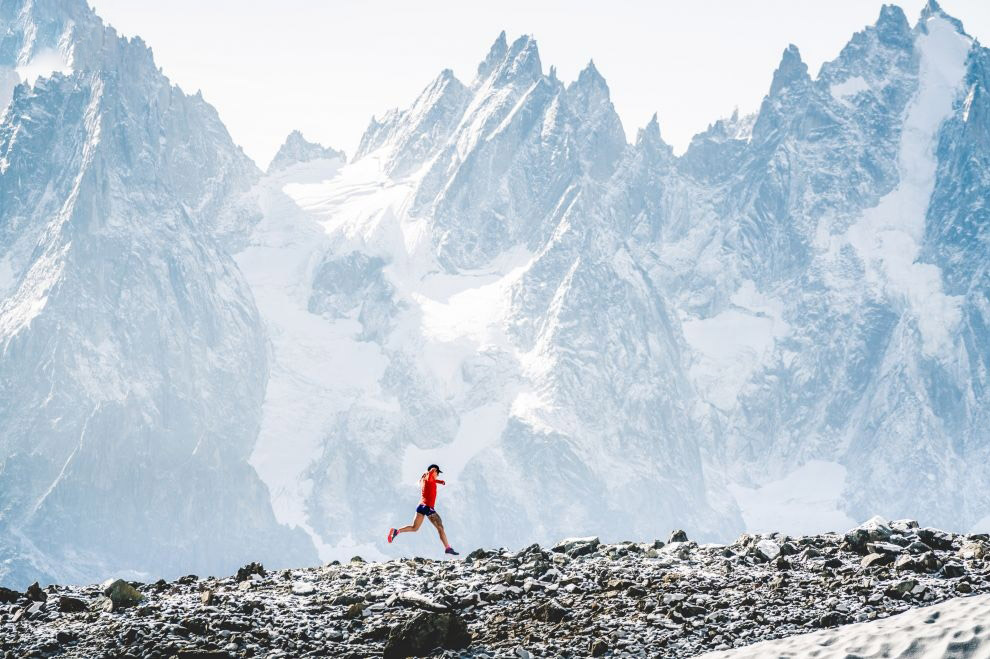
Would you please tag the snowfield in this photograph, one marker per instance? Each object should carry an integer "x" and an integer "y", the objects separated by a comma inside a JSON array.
[{"x": 957, "y": 629}]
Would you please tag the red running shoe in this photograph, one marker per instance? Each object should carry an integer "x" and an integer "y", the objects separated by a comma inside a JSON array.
[{"x": 391, "y": 535}]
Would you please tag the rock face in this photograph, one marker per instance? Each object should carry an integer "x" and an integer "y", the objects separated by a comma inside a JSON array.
[
  {"x": 621, "y": 599},
  {"x": 297, "y": 149},
  {"x": 132, "y": 358}
]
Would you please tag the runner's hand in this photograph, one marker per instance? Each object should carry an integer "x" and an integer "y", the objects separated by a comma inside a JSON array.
[{"x": 442, "y": 482}]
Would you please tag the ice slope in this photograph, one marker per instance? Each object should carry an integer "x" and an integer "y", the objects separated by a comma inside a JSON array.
[{"x": 956, "y": 629}]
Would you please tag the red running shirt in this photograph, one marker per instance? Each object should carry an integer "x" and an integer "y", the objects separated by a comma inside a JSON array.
[{"x": 429, "y": 482}]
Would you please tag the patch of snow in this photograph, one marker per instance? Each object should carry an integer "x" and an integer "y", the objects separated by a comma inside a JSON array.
[
  {"x": 731, "y": 345},
  {"x": 843, "y": 90},
  {"x": 7, "y": 276},
  {"x": 803, "y": 502},
  {"x": 45, "y": 63},
  {"x": 888, "y": 236},
  {"x": 956, "y": 628},
  {"x": 8, "y": 80}
]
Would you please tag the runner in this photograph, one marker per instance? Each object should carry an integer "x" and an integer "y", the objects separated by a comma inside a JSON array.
[{"x": 428, "y": 482}]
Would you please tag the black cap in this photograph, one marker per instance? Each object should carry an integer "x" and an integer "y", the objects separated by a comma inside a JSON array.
[{"x": 439, "y": 471}]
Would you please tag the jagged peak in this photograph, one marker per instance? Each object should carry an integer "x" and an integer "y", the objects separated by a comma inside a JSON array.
[
  {"x": 495, "y": 56},
  {"x": 297, "y": 148},
  {"x": 932, "y": 9},
  {"x": 791, "y": 70},
  {"x": 519, "y": 61},
  {"x": 892, "y": 24},
  {"x": 649, "y": 135},
  {"x": 591, "y": 76}
]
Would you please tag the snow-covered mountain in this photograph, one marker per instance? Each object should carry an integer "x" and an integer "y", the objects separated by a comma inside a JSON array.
[
  {"x": 132, "y": 358},
  {"x": 599, "y": 336},
  {"x": 785, "y": 327}
]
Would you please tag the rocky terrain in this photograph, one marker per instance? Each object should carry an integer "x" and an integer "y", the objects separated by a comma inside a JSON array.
[{"x": 578, "y": 598}]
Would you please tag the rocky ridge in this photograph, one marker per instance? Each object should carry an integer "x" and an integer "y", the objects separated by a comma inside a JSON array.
[{"x": 578, "y": 598}]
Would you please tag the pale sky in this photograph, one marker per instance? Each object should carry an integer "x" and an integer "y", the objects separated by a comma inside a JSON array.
[{"x": 325, "y": 68}]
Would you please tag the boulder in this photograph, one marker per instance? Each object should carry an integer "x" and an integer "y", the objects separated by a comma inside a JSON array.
[
  {"x": 973, "y": 550},
  {"x": 121, "y": 593},
  {"x": 577, "y": 546},
  {"x": 898, "y": 589},
  {"x": 8, "y": 596},
  {"x": 766, "y": 550},
  {"x": 244, "y": 573},
  {"x": 677, "y": 536},
  {"x": 953, "y": 570},
  {"x": 874, "y": 529},
  {"x": 936, "y": 538},
  {"x": 425, "y": 633},
  {"x": 35, "y": 593}
]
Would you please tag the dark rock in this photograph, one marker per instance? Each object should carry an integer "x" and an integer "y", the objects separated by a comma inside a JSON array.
[
  {"x": 598, "y": 648},
  {"x": 833, "y": 619},
  {"x": 244, "y": 573},
  {"x": 68, "y": 604},
  {"x": 935, "y": 538},
  {"x": 64, "y": 637},
  {"x": 354, "y": 611},
  {"x": 35, "y": 593},
  {"x": 550, "y": 611},
  {"x": 477, "y": 555},
  {"x": 8, "y": 596},
  {"x": 426, "y": 632},
  {"x": 357, "y": 559},
  {"x": 677, "y": 536},
  {"x": 953, "y": 570},
  {"x": 202, "y": 654}
]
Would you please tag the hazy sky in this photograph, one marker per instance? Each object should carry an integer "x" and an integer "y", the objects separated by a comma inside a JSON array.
[{"x": 270, "y": 66}]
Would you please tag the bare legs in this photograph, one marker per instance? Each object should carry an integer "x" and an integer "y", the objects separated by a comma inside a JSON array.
[
  {"x": 418, "y": 522},
  {"x": 438, "y": 523}
]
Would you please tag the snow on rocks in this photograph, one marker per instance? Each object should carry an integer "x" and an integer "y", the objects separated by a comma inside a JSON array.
[{"x": 580, "y": 598}]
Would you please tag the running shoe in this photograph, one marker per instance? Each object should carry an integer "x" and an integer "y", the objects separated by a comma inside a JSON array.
[
  {"x": 391, "y": 535},
  {"x": 450, "y": 550}
]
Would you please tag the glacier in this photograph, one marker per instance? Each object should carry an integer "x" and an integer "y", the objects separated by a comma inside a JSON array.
[{"x": 202, "y": 364}]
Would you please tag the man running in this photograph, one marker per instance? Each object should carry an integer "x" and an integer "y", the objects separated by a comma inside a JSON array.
[{"x": 428, "y": 482}]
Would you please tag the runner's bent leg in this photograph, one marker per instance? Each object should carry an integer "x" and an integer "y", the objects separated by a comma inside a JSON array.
[{"x": 438, "y": 523}]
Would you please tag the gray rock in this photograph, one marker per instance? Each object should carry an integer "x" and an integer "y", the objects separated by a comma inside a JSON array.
[{"x": 677, "y": 536}]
